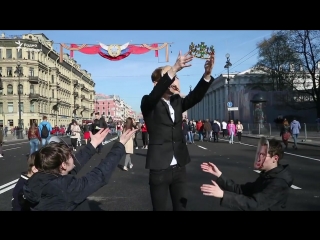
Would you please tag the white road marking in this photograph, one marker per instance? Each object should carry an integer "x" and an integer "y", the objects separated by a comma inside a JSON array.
[
  {"x": 201, "y": 147},
  {"x": 11, "y": 148},
  {"x": 292, "y": 186},
  {"x": 14, "y": 144},
  {"x": 8, "y": 186},
  {"x": 9, "y": 183}
]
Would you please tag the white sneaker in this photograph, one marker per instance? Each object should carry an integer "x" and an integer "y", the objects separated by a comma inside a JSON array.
[
  {"x": 137, "y": 148},
  {"x": 1, "y": 156},
  {"x": 125, "y": 168},
  {"x": 146, "y": 147},
  {"x": 131, "y": 166}
]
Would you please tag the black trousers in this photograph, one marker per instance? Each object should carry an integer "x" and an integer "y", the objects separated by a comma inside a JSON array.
[
  {"x": 172, "y": 180},
  {"x": 135, "y": 139},
  {"x": 74, "y": 142},
  {"x": 145, "y": 138},
  {"x": 215, "y": 136}
]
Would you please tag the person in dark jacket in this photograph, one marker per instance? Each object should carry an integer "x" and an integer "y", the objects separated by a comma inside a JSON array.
[
  {"x": 215, "y": 131},
  {"x": 98, "y": 123},
  {"x": 52, "y": 188},
  {"x": 18, "y": 202},
  {"x": 269, "y": 192},
  {"x": 185, "y": 129}
]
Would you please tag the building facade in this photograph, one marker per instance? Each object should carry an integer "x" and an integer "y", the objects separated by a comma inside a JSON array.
[
  {"x": 113, "y": 107},
  {"x": 61, "y": 91},
  {"x": 240, "y": 90}
]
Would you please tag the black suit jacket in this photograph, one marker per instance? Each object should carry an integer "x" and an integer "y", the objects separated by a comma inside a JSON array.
[{"x": 165, "y": 137}]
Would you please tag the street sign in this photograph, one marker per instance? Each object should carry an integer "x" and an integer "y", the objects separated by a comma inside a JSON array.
[
  {"x": 233, "y": 109},
  {"x": 229, "y": 104}
]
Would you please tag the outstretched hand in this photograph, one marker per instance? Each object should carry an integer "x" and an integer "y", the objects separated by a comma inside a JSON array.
[
  {"x": 182, "y": 61},
  {"x": 211, "y": 168},
  {"x": 212, "y": 190},
  {"x": 127, "y": 135},
  {"x": 98, "y": 138},
  {"x": 208, "y": 66}
]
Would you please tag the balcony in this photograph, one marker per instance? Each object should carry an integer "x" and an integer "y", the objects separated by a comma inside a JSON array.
[
  {"x": 75, "y": 94},
  {"x": 34, "y": 96},
  {"x": 75, "y": 82},
  {"x": 33, "y": 79}
]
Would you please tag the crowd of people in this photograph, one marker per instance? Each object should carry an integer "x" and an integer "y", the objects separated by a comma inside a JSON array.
[{"x": 51, "y": 183}]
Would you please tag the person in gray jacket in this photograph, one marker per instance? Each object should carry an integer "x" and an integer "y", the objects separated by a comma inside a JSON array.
[{"x": 295, "y": 130}]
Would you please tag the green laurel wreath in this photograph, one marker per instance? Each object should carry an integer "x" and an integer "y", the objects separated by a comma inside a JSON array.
[{"x": 201, "y": 50}]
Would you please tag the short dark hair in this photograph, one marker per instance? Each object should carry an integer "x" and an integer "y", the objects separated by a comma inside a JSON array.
[
  {"x": 96, "y": 113},
  {"x": 156, "y": 74},
  {"x": 275, "y": 148}
]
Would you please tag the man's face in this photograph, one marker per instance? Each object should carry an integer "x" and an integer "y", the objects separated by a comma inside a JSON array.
[
  {"x": 264, "y": 161},
  {"x": 97, "y": 116}
]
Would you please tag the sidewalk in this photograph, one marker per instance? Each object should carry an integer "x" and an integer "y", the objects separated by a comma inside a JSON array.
[
  {"x": 315, "y": 141},
  {"x": 11, "y": 138}
]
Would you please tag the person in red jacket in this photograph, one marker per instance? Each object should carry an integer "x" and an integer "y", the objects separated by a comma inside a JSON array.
[
  {"x": 199, "y": 127},
  {"x": 145, "y": 137}
]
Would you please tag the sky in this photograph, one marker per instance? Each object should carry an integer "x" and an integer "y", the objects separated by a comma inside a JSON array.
[{"x": 130, "y": 78}]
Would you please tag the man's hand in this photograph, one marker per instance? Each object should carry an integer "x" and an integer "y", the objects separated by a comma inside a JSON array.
[
  {"x": 98, "y": 137},
  {"x": 211, "y": 168},
  {"x": 208, "y": 66},
  {"x": 128, "y": 134},
  {"x": 181, "y": 62},
  {"x": 212, "y": 190}
]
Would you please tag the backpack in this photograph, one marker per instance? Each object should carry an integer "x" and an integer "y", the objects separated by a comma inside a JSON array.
[{"x": 44, "y": 131}]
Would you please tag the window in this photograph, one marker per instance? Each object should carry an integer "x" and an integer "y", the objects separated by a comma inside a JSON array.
[
  {"x": 31, "y": 72},
  {"x": 10, "y": 107},
  {"x": 28, "y": 54},
  {"x": 32, "y": 55},
  {"x": 32, "y": 89},
  {"x": 9, "y": 71},
  {"x": 52, "y": 93},
  {"x": 9, "y": 53},
  {"x": 0, "y": 53},
  {"x": 20, "y": 89},
  {"x": 20, "y": 107},
  {"x": 9, "y": 89},
  {"x": 52, "y": 78},
  {"x": 0, "y": 69},
  {"x": 32, "y": 107},
  {"x": 1, "y": 107},
  {"x": 19, "y": 54}
]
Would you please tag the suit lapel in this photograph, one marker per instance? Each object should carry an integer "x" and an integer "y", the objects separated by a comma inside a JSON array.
[{"x": 167, "y": 108}]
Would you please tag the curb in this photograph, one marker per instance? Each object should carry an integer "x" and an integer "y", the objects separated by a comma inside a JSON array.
[{"x": 300, "y": 143}]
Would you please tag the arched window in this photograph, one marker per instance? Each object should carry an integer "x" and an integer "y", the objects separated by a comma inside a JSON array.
[
  {"x": 9, "y": 89},
  {"x": 20, "y": 89},
  {"x": 32, "y": 89}
]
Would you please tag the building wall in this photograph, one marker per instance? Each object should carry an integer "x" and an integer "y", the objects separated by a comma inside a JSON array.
[
  {"x": 112, "y": 106},
  {"x": 240, "y": 91},
  {"x": 45, "y": 83}
]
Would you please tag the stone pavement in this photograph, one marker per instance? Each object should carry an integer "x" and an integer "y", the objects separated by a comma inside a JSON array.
[{"x": 11, "y": 138}]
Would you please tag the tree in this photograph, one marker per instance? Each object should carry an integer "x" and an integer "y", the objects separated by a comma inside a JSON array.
[{"x": 289, "y": 61}]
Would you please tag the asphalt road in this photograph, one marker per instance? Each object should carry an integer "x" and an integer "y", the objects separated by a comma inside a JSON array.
[{"x": 129, "y": 191}]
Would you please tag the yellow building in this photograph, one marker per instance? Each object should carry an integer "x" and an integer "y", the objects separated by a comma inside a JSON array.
[{"x": 61, "y": 91}]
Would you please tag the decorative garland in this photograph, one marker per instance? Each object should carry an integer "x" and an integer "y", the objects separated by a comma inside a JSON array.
[{"x": 114, "y": 52}]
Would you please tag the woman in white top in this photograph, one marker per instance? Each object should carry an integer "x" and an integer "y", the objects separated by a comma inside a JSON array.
[
  {"x": 75, "y": 134},
  {"x": 129, "y": 145}
]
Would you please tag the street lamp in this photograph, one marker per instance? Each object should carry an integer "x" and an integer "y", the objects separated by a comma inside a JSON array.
[
  {"x": 228, "y": 65},
  {"x": 18, "y": 72}
]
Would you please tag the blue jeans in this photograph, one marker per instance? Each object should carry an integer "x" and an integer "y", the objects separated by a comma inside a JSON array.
[
  {"x": 34, "y": 145},
  {"x": 191, "y": 135},
  {"x": 44, "y": 141},
  {"x": 295, "y": 136}
]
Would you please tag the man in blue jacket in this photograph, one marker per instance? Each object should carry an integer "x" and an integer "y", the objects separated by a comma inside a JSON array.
[{"x": 45, "y": 128}]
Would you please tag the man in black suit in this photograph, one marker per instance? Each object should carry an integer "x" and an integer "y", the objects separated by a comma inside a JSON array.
[
  {"x": 98, "y": 123},
  {"x": 167, "y": 153}
]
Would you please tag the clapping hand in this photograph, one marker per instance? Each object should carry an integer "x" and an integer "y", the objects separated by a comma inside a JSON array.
[
  {"x": 128, "y": 134},
  {"x": 211, "y": 168},
  {"x": 98, "y": 137},
  {"x": 212, "y": 190}
]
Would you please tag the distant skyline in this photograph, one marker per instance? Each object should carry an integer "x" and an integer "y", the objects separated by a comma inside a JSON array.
[{"x": 130, "y": 78}]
